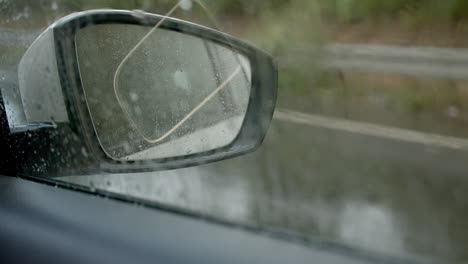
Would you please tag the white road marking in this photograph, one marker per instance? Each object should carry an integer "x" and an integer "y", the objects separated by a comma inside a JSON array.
[{"x": 369, "y": 129}]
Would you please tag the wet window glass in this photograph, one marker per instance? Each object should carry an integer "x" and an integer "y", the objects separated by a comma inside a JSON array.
[{"x": 369, "y": 142}]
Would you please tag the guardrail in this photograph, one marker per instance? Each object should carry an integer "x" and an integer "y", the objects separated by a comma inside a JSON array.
[{"x": 425, "y": 62}]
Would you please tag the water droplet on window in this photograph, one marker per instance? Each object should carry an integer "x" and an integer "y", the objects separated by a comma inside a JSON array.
[
  {"x": 453, "y": 111},
  {"x": 138, "y": 13},
  {"x": 138, "y": 110},
  {"x": 186, "y": 5},
  {"x": 84, "y": 152}
]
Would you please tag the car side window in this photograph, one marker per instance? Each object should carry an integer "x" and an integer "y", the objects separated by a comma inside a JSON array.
[{"x": 367, "y": 145}]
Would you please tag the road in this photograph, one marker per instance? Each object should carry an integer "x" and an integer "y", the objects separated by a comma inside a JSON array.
[
  {"x": 371, "y": 130},
  {"x": 374, "y": 187},
  {"x": 376, "y": 193}
]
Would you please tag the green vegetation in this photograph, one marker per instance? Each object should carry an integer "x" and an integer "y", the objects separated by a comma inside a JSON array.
[
  {"x": 368, "y": 10},
  {"x": 359, "y": 10},
  {"x": 344, "y": 10}
]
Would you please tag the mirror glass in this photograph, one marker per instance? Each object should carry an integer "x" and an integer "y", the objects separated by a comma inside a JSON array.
[{"x": 155, "y": 93}]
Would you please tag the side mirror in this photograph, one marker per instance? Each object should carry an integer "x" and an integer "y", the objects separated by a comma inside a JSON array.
[{"x": 147, "y": 91}]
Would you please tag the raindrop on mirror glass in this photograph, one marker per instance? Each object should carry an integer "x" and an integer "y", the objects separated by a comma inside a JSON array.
[
  {"x": 138, "y": 110},
  {"x": 133, "y": 96}
]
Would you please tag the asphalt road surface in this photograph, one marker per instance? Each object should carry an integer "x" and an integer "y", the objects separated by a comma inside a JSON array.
[{"x": 377, "y": 193}]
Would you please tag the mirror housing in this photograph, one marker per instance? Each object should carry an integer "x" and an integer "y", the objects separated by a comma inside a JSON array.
[{"x": 52, "y": 93}]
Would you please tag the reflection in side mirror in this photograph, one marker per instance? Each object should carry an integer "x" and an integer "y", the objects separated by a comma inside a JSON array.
[{"x": 163, "y": 94}]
